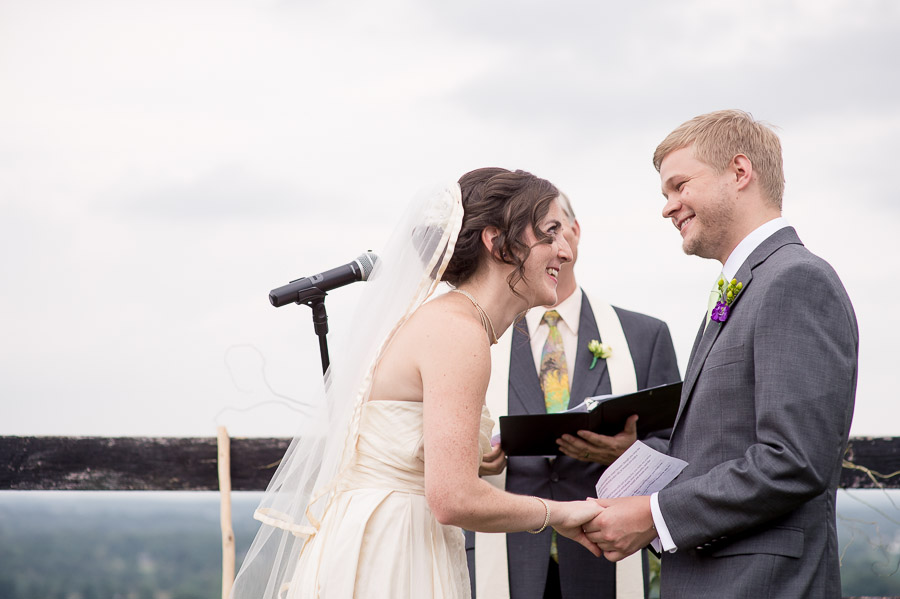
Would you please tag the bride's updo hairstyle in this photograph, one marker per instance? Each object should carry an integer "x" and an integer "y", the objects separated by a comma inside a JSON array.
[{"x": 510, "y": 201}]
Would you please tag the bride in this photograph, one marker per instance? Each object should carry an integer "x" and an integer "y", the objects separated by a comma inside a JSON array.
[{"x": 370, "y": 500}]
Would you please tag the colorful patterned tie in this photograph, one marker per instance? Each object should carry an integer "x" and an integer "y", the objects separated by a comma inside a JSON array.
[
  {"x": 554, "y": 373},
  {"x": 555, "y": 383}
]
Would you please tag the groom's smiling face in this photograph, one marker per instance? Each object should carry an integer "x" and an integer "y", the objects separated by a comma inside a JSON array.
[{"x": 699, "y": 202}]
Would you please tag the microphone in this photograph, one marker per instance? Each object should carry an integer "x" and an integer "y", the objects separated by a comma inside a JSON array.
[{"x": 302, "y": 289}]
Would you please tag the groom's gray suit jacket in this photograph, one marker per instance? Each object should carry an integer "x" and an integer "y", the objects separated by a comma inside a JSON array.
[
  {"x": 763, "y": 423},
  {"x": 581, "y": 574}
]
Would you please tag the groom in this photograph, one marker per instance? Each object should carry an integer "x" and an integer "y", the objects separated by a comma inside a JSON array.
[{"x": 769, "y": 389}]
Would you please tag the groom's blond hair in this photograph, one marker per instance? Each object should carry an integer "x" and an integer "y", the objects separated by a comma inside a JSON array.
[{"x": 717, "y": 137}]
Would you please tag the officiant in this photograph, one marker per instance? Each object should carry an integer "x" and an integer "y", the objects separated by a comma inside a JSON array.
[{"x": 546, "y": 364}]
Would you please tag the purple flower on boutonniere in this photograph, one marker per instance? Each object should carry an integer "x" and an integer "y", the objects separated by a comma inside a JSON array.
[
  {"x": 720, "y": 312},
  {"x": 727, "y": 295}
]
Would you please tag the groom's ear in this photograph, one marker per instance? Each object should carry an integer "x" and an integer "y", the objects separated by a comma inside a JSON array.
[
  {"x": 489, "y": 237},
  {"x": 742, "y": 169}
]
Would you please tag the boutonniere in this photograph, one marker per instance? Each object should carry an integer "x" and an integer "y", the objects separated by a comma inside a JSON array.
[
  {"x": 600, "y": 351},
  {"x": 727, "y": 295}
]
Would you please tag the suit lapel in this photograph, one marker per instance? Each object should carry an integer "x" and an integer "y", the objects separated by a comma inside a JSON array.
[
  {"x": 585, "y": 381},
  {"x": 698, "y": 338},
  {"x": 695, "y": 363},
  {"x": 525, "y": 396},
  {"x": 707, "y": 338}
]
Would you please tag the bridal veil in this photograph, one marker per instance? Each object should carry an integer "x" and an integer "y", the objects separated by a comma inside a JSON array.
[{"x": 406, "y": 273}]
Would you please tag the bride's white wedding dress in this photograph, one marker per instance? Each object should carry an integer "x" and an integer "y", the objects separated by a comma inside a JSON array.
[
  {"x": 378, "y": 537},
  {"x": 345, "y": 514}
]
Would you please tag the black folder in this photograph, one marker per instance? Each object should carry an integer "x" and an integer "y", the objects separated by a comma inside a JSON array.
[{"x": 536, "y": 434}]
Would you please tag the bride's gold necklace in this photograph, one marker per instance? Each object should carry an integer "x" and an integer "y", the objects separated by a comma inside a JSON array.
[{"x": 485, "y": 319}]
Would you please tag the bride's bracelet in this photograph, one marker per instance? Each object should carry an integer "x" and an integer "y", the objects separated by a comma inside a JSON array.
[{"x": 546, "y": 518}]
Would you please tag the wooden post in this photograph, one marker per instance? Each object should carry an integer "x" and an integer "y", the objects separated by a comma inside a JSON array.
[{"x": 224, "y": 445}]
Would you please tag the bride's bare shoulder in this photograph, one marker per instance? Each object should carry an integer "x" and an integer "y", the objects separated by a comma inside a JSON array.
[
  {"x": 439, "y": 337},
  {"x": 445, "y": 314},
  {"x": 444, "y": 327},
  {"x": 447, "y": 343}
]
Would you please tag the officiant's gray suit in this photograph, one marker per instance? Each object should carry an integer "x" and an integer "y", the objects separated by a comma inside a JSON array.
[
  {"x": 581, "y": 574},
  {"x": 763, "y": 423}
]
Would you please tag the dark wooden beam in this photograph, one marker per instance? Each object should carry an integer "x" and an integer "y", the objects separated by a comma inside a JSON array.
[
  {"x": 189, "y": 464},
  {"x": 871, "y": 463},
  {"x": 133, "y": 463}
]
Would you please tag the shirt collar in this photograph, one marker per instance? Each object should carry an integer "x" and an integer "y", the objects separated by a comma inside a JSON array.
[
  {"x": 569, "y": 310},
  {"x": 750, "y": 243}
]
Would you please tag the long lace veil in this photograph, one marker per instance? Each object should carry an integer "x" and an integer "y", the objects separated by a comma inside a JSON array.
[{"x": 406, "y": 273}]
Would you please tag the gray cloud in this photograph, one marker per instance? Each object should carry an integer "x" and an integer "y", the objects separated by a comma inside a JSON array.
[
  {"x": 225, "y": 193},
  {"x": 574, "y": 72}
]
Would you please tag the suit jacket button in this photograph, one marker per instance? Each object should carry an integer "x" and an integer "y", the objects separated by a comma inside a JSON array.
[{"x": 554, "y": 477}]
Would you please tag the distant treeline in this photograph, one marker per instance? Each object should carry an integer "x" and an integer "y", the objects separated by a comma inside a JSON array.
[
  {"x": 130, "y": 545},
  {"x": 114, "y": 546}
]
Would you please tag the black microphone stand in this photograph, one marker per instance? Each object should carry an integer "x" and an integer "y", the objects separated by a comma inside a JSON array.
[{"x": 315, "y": 299}]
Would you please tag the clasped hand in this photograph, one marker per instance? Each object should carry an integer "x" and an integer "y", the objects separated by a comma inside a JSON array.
[
  {"x": 624, "y": 525},
  {"x": 571, "y": 516}
]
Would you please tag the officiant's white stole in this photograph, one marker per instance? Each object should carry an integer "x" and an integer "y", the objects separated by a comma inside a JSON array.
[{"x": 491, "y": 560}]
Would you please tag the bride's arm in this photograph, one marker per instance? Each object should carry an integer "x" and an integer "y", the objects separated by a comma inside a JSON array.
[{"x": 453, "y": 358}]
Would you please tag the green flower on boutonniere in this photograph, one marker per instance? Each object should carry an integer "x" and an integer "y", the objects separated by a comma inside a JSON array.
[{"x": 600, "y": 351}]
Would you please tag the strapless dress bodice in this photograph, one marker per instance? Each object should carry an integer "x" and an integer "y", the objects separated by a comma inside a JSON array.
[{"x": 390, "y": 450}]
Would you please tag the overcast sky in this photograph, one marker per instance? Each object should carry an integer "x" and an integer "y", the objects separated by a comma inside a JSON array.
[{"x": 164, "y": 164}]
